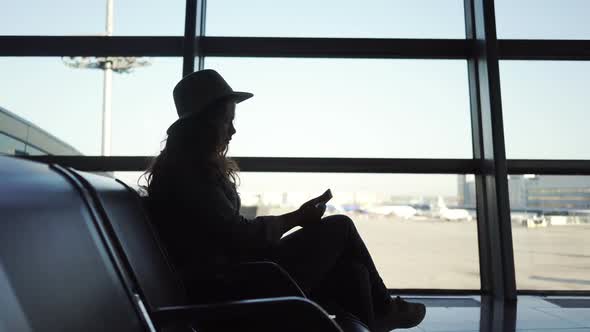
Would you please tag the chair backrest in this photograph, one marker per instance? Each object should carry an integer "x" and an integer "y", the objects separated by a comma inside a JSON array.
[
  {"x": 56, "y": 273},
  {"x": 12, "y": 316},
  {"x": 138, "y": 243}
]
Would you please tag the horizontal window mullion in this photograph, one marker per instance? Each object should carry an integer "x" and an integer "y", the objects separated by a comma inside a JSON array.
[
  {"x": 272, "y": 164},
  {"x": 548, "y": 167},
  {"x": 335, "y": 47},
  {"x": 90, "y": 46},
  {"x": 390, "y": 48},
  {"x": 358, "y": 165},
  {"x": 288, "y": 47},
  {"x": 338, "y": 165},
  {"x": 544, "y": 49}
]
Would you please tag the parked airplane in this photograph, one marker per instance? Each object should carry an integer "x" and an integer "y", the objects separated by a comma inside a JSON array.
[
  {"x": 451, "y": 214},
  {"x": 403, "y": 211}
]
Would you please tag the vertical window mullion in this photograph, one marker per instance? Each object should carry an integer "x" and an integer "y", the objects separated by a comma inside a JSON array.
[
  {"x": 188, "y": 58},
  {"x": 493, "y": 208},
  {"x": 200, "y": 32}
]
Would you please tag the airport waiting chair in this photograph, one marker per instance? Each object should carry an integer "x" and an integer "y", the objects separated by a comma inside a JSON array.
[
  {"x": 61, "y": 271},
  {"x": 55, "y": 272},
  {"x": 128, "y": 226},
  {"x": 126, "y": 221}
]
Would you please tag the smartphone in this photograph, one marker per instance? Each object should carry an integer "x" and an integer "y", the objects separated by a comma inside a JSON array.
[{"x": 324, "y": 198}]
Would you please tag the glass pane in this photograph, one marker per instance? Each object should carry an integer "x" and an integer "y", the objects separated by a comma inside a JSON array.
[
  {"x": 415, "y": 225},
  {"x": 71, "y": 17},
  {"x": 336, "y": 18},
  {"x": 420, "y": 228},
  {"x": 143, "y": 107},
  {"x": 550, "y": 230},
  {"x": 11, "y": 146},
  {"x": 62, "y": 101},
  {"x": 32, "y": 151},
  {"x": 21, "y": 137},
  {"x": 350, "y": 107},
  {"x": 66, "y": 103},
  {"x": 545, "y": 107},
  {"x": 542, "y": 19}
]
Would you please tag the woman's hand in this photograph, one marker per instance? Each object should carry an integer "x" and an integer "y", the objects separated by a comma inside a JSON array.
[{"x": 311, "y": 212}]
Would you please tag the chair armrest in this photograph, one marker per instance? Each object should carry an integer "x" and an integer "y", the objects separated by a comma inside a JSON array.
[
  {"x": 262, "y": 280},
  {"x": 275, "y": 314}
]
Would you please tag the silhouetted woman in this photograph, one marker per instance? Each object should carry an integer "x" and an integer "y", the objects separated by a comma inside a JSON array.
[{"x": 195, "y": 207}]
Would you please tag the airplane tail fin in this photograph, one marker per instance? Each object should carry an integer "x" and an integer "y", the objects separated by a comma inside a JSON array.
[{"x": 441, "y": 203}]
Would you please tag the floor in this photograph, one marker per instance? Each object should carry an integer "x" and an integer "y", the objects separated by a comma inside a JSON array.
[{"x": 472, "y": 313}]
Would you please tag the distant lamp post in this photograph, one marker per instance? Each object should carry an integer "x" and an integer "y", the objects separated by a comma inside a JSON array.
[{"x": 108, "y": 64}]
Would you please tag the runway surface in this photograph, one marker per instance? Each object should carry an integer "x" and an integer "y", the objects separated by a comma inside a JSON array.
[{"x": 431, "y": 253}]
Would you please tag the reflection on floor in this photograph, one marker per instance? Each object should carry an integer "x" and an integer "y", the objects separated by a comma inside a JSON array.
[{"x": 541, "y": 314}]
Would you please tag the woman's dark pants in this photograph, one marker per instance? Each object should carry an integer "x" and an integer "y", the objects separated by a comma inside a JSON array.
[{"x": 331, "y": 263}]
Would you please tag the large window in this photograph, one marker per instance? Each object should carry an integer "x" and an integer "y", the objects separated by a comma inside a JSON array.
[{"x": 384, "y": 89}]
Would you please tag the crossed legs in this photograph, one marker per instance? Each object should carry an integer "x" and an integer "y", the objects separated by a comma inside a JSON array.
[{"x": 330, "y": 261}]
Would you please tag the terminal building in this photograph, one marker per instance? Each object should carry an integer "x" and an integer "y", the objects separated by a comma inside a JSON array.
[
  {"x": 21, "y": 137},
  {"x": 546, "y": 194}
]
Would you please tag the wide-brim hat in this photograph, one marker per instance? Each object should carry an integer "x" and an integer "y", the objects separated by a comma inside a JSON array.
[{"x": 195, "y": 92}]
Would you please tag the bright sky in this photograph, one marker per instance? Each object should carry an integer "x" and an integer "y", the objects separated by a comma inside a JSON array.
[{"x": 312, "y": 107}]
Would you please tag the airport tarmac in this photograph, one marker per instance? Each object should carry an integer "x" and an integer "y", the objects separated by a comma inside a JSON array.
[{"x": 430, "y": 253}]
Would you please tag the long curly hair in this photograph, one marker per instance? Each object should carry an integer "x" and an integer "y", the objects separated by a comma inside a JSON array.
[{"x": 196, "y": 148}]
